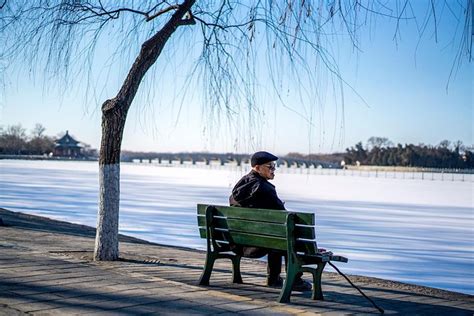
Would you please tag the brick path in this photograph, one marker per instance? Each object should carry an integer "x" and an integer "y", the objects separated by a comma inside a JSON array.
[{"x": 46, "y": 269}]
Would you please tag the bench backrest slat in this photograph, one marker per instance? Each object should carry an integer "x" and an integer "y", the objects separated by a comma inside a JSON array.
[
  {"x": 253, "y": 240},
  {"x": 264, "y": 215},
  {"x": 259, "y": 241},
  {"x": 254, "y": 227}
]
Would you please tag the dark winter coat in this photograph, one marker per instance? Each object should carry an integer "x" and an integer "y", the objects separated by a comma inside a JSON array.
[{"x": 255, "y": 191}]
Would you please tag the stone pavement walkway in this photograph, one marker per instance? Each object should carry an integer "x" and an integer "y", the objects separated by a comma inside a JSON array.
[{"x": 46, "y": 269}]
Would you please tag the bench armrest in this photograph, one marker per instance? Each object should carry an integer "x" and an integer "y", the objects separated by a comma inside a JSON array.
[
  {"x": 321, "y": 257},
  {"x": 333, "y": 257},
  {"x": 339, "y": 258}
]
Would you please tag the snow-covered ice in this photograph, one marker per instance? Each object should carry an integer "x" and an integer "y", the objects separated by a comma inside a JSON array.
[{"x": 411, "y": 230}]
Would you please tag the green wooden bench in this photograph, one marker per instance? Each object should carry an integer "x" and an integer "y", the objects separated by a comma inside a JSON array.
[{"x": 293, "y": 232}]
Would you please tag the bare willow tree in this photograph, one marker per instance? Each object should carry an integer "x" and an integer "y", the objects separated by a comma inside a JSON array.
[{"x": 293, "y": 38}]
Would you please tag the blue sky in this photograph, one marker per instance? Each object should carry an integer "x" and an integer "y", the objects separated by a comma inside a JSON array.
[{"x": 403, "y": 85}]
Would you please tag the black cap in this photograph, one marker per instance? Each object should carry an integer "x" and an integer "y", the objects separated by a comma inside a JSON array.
[{"x": 261, "y": 157}]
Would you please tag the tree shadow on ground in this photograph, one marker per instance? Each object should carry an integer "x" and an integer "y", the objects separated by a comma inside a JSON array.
[{"x": 44, "y": 224}]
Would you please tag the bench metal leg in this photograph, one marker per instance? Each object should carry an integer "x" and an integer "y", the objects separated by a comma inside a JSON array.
[
  {"x": 288, "y": 284},
  {"x": 317, "y": 289},
  {"x": 206, "y": 274},
  {"x": 236, "y": 275}
]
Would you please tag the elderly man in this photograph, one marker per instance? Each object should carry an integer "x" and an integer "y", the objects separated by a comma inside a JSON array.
[{"x": 254, "y": 191}]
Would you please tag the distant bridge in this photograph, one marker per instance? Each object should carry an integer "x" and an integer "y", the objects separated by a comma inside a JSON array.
[{"x": 222, "y": 159}]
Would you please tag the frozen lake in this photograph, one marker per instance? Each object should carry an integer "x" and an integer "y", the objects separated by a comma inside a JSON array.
[{"x": 410, "y": 230}]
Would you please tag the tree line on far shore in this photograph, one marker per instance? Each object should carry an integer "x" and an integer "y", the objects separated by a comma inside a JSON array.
[
  {"x": 380, "y": 151},
  {"x": 15, "y": 141}
]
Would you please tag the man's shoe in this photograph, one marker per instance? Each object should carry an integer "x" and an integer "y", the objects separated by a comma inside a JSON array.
[
  {"x": 277, "y": 283},
  {"x": 301, "y": 285}
]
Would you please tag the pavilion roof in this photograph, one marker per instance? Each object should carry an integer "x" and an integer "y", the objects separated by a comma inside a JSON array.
[{"x": 67, "y": 141}]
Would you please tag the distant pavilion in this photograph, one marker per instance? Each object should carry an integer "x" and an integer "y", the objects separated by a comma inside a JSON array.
[{"x": 67, "y": 146}]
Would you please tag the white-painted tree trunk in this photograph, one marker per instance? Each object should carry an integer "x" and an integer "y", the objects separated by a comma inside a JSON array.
[
  {"x": 106, "y": 242},
  {"x": 114, "y": 114}
]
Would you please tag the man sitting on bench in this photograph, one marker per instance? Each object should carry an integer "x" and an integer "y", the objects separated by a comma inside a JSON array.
[{"x": 254, "y": 191}]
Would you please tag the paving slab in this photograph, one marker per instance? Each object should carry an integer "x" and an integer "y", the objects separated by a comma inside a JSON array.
[{"x": 46, "y": 268}]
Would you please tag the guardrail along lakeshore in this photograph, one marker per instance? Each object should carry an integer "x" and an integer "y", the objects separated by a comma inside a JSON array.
[{"x": 433, "y": 174}]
